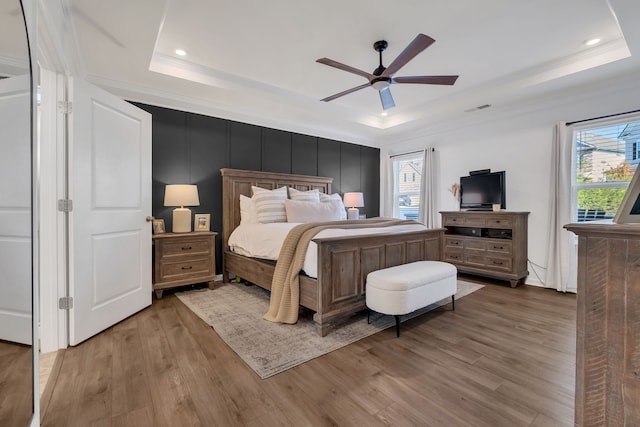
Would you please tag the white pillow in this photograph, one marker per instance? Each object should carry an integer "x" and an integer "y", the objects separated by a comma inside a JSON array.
[
  {"x": 269, "y": 204},
  {"x": 334, "y": 198},
  {"x": 305, "y": 196},
  {"x": 247, "y": 210},
  {"x": 300, "y": 211}
]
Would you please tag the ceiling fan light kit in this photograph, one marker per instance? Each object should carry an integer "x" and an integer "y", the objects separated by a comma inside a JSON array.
[
  {"x": 382, "y": 77},
  {"x": 380, "y": 83}
]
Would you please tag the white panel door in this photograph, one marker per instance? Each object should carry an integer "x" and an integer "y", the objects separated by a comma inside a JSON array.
[
  {"x": 110, "y": 187},
  {"x": 15, "y": 210}
]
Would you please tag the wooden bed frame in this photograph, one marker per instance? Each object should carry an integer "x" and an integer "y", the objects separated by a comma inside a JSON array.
[{"x": 343, "y": 262}]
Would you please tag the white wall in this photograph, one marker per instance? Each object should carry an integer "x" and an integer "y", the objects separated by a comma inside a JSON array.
[{"x": 517, "y": 139}]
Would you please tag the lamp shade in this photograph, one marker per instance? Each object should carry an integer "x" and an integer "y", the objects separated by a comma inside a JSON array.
[
  {"x": 181, "y": 195},
  {"x": 353, "y": 200}
]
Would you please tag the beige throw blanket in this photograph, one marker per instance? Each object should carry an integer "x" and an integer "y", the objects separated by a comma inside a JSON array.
[{"x": 285, "y": 285}]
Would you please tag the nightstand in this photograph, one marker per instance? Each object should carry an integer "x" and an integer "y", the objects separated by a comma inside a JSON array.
[{"x": 183, "y": 259}]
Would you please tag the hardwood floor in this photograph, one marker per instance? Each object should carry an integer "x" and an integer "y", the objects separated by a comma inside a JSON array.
[
  {"x": 16, "y": 384},
  {"x": 505, "y": 357}
]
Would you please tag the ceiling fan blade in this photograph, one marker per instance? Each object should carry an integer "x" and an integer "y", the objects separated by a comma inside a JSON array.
[
  {"x": 426, "y": 80},
  {"x": 420, "y": 43},
  {"x": 348, "y": 68},
  {"x": 386, "y": 98},
  {"x": 346, "y": 92}
]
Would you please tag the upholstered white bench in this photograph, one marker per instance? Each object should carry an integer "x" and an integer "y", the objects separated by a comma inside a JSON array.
[{"x": 406, "y": 288}]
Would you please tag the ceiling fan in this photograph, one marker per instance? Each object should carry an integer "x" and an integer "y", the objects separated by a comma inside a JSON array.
[{"x": 382, "y": 77}]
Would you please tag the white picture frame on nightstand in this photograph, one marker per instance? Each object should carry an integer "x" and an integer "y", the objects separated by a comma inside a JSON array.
[{"x": 202, "y": 222}]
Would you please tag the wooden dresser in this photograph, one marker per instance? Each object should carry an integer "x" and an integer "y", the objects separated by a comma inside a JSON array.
[
  {"x": 183, "y": 259},
  {"x": 608, "y": 325},
  {"x": 491, "y": 244}
]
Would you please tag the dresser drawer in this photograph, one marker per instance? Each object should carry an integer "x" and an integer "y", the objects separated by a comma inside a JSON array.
[
  {"x": 458, "y": 220},
  {"x": 500, "y": 247},
  {"x": 498, "y": 263},
  {"x": 474, "y": 259},
  {"x": 498, "y": 222},
  {"x": 453, "y": 242},
  {"x": 453, "y": 256},
  {"x": 475, "y": 245},
  {"x": 475, "y": 221},
  {"x": 191, "y": 247}
]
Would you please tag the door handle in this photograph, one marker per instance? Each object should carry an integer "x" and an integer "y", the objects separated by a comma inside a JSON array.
[{"x": 150, "y": 218}]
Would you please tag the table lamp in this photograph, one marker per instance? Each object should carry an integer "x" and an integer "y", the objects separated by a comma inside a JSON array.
[
  {"x": 181, "y": 195},
  {"x": 354, "y": 200}
]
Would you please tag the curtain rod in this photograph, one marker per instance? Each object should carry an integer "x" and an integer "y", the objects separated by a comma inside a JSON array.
[
  {"x": 409, "y": 152},
  {"x": 602, "y": 117}
]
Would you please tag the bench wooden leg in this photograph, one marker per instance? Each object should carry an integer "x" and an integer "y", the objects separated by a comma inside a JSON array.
[
  {"x": 453, "y": 303},
  {"x": 397, "y": 326}
]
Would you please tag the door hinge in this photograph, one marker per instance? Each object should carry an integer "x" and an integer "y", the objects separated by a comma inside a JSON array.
[
  {"x": 65, "y": 107},
  {"x": 65, "y": 303},
  {"x": 65, "y": 205}
]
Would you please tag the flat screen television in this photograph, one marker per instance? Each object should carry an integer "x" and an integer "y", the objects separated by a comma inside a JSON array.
[{"x": 482, "y": 191}]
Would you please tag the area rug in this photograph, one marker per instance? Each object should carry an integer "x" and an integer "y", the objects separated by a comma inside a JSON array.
[{"x": 235, "y": 312}]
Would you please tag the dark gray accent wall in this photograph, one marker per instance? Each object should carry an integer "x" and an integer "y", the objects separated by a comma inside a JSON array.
[{"x": 191, "y": 149}]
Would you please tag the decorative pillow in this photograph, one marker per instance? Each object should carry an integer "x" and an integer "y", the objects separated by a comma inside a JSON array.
[
  {"x": 300, "y": 211},
  {"x": 247, "y": 210},
  {"x": 334, "y": 198},
  {"x": 305, "y": 196},
  {"x": 269, "y": 204}
]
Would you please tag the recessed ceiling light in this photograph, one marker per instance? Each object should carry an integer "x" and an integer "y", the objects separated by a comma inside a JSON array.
[
  {"x": 384, "y": 113},
  {"x": 180, "y": 52},
  {"x": 592, "y": 42}
]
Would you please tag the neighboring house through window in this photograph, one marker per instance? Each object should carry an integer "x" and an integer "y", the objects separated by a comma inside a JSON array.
[
  {"x": 406, "y": 193},
  {"x": 605, "y": 159}
]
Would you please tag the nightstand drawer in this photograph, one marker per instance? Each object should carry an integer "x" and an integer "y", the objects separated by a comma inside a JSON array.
[
  {"x": 185, "y": 269},
  {"x": 190, "y": 247}
]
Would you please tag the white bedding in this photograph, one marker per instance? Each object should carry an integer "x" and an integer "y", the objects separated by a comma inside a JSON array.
[{"x": 265, "y": 240}]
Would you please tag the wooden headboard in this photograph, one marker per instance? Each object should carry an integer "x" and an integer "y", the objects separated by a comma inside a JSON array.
[{"x": 236, "y": 182}]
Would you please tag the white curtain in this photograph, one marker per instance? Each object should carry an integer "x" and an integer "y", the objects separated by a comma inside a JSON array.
[
  {"x": 561, "y": 258},
  {"x": 427, "y": 213},
  {"x": 386, "y": 201}
]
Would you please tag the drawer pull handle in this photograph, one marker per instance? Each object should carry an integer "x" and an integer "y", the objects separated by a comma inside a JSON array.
[
  {"x": 497, "y": 263},
  {"x": 498, "y": 248},
  {"x": 187, "y": 268},
  {"x": 187, "y": 248}
]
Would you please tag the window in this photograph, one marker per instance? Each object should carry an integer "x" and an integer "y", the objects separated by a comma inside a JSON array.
[
  {"x": 606, "y": 157},
  {"x": 406, "y": 193}
]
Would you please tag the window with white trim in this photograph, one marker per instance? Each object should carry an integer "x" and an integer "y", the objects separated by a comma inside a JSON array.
[
  {"x": 406, "y": 192},
  {"x": 605, "y": 159}
]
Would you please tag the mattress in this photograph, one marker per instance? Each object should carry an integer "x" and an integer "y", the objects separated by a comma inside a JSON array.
[{"x": 265, "y": 240}]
